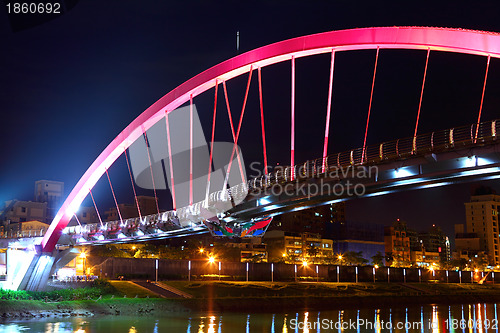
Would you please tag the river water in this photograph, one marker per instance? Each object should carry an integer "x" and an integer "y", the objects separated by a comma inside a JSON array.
[{"x": 466, "y": 318}]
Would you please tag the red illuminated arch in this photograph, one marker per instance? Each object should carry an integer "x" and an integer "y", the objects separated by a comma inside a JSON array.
[{"x": 440, "y": 39}]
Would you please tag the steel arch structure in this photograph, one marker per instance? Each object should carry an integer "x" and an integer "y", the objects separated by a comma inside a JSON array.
[{"x": 416, "y": 38}]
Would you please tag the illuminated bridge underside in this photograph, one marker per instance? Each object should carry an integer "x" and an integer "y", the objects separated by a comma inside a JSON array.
[
  {"x": 427, "y": 160},
  {"x": 435, "y": 39}
]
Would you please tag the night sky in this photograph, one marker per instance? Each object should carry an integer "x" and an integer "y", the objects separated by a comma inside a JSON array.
[{"x": 70, "y": 85}]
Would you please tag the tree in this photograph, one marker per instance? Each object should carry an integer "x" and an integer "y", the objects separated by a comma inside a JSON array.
[
  {"x": 479, "y": 261},
  {"x": 378, "y": 259},
  {"x": 354, "y": 258},
  {"x": 313, "y": 252},
  {"x": 457, "y": 263},
  {"x": 109, "y": 251}
]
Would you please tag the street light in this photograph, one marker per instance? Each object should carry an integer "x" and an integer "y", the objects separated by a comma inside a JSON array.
[
  {"x": 211, "y": 260},
  {"x": 83, "y": 256}
]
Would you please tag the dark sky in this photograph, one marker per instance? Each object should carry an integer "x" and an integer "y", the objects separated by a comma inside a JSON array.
[{"x": 70, "y": 85}]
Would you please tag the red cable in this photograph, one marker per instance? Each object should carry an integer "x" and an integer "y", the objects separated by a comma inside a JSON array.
[
  {"x": 151, "y": 169},
  {"x": 212, "y": 142},
  {"x": 292, "y": 139},
  {"x": 370, "y": 106},
  {"x": 421, "y": 96},
  {"x": 482, "y": 97},
  {"x": 328, "y": 110},
  {"x": 97, "y": 211},
  {"x": 133, "y": 186},
  {"x": 170, "y": 162},
  {"x": 262, "y": 123},
  {"x": 191, "y": 149},
  {"x": 235, "y": 146},
  {"x": 235, "y": 138},
  {"x": 114, "y": 197}
]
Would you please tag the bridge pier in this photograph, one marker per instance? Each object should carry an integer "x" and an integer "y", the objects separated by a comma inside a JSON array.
[{"x": 28, "y": 269}]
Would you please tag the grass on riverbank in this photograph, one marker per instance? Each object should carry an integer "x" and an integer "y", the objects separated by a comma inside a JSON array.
[{"x": 219, "y": 289}]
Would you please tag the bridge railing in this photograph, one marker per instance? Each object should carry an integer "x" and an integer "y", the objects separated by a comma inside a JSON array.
[
  {"x": 219, "y": 202},
  {"x": 420, "y": 145}
]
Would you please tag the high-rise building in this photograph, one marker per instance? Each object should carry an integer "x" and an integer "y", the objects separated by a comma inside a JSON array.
[
  {"x": 397, "y": 244},
  {"x": 51, "y": 192},
  {"x": 317, "y": 220},
  {"x": 147, "y": 206},
  {"x": 434, "y": 240},
  {"x": 367, "y": 238},
  {"x": 481, "y": 215}
]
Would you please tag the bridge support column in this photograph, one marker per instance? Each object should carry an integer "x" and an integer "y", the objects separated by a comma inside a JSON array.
[{"x": 29, "y": 270}]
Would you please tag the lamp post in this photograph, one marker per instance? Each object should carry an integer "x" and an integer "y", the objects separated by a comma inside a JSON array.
[
  {"x": 356, "y": 274},
  {"x": 156, "y": 275},
  {"x": 373, "y": 271},
  {"x": 83, "y": 255}
]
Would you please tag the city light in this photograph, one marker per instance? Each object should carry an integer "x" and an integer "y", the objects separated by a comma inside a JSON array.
[
  {"x": 284, "y": 254},
  {"x": 304, "y": 263},
  {"x": 211, "y": 260},
  {"x": 339, "y": 257},
  {"x": 83, "y": 255},
  {"x": 202, "y": 250},
  {"x": 376, "y": 266}
]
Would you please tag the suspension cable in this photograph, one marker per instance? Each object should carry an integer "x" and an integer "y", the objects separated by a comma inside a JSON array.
[
  {"x": 420, "y": 101},
  {"x": 328, "y": 110},
  {"x": 235, "y": 138},
  {"x": 292, "y": 135},
  {"x": 170, "y": 161},
  {"x": 235, "y": 146},
  {"x": 96, "y": 210},
  {"x": 191, "y": 149},
  {"x": 132, "y": 181},
  {"x": 151, "y": 169},
  {"x": 114, "y": 197},
  {"x": 370, "y": 105},
  {"x": 212, "y": 143},
  {"x": 77, "y": 220},
  {"x": 262, "y": 122},
  {"x": 482, "y": 98}
]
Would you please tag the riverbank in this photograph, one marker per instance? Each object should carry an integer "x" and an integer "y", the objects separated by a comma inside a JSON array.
[{"x": 256, "y": 297}]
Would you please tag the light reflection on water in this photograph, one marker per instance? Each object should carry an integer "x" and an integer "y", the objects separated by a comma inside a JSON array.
[{"x": 467, "y": 318}]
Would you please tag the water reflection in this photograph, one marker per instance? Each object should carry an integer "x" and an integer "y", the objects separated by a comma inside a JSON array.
[{"x": 470, "y": 318}]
